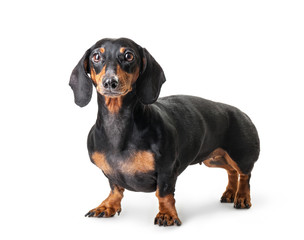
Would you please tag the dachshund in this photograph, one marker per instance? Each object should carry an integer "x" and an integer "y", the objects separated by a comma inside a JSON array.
[{"x": 142, "y": 143}]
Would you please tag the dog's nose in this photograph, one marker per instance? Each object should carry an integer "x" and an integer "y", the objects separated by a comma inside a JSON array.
[{"x": 110, "y": 83}]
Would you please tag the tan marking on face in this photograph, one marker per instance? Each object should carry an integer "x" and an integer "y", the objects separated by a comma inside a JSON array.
[
  {"x": 100, "y": 160},
  {"x": 102, "y": 50},
  {"x": 135, "y": 75},
  {"x": 97, "y": 78},
  {"x": 126, "y": 79},
  {"x": 122, "y": 50},
  {"x": 113, "y": 103},
  {"x": 125, "y": 85},
  {"x": 142, "y": 161}
]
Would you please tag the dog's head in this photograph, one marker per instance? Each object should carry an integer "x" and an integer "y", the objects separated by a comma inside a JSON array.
[{"x": 116, "y": 67}]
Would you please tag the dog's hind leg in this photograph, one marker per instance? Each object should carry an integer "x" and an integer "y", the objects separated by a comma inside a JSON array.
[
  {"x": 238, "y": 188},
  {"x": 217, "y": 159},
  {"x": 242, "y": 198}
]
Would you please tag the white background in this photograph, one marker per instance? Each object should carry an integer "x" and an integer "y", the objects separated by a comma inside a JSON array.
[{"x": 245, "y": 53}]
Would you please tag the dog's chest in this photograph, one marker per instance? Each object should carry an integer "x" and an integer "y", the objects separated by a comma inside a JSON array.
[{"x": 135, "y": 171}]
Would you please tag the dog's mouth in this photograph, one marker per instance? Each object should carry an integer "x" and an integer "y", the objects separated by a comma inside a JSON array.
[{"x": 113, "y": 93}]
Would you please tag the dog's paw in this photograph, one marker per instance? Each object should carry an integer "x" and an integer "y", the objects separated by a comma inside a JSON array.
[
  {"x": 228, "y": 196},
  {"x": 103, "y": 211},
  {"x": 242, "y": 201},
  {"x": 165, "y": 219}
]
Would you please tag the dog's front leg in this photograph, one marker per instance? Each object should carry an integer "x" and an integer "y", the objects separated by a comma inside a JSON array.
[
  {"x": 167, "y": 215},
  {"x": 110, "y": 206}
]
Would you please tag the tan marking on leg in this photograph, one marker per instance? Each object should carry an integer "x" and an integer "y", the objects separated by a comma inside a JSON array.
[
  {"x": 100, "y": 160},
  {"x": 232, "y": 163},
  {"x": 231, "y": 189},
  {"x": 221, "y": 159},
  {"x": 238, "y": 185},
  {"x": 167, "y": 212},
  {"x": 242, "y": 199},
  {"x": 110, "y": 206}
]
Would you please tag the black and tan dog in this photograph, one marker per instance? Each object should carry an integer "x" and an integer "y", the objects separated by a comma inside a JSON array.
[{"x": 142, "y": 144}]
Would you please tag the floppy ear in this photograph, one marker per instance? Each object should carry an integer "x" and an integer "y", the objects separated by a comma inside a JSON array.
[
  {"x": 80, "y": 82},
  {"x": 150, "y": 80}
]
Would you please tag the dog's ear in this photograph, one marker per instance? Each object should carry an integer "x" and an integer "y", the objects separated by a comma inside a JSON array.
[
  {"x": 150, "y": 79},
  {"x": 80, "y": 82}
]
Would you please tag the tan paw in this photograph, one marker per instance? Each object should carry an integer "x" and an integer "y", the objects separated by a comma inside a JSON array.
[
  {"x": 166, "y": 219},
  {"x": 103, "y": 211},
  {"x": 242, "y": 201},
  {"x": 228, "y": 196}
]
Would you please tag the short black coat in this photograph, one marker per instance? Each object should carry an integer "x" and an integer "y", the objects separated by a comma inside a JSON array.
[{"x": 178, "y": 130}]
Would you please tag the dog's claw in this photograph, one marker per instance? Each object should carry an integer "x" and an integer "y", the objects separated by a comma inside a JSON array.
[
  {"x": 237, "y": 205},
  {"x": 226, "y": 200},
  {"x": 242, "y": 203},
  {"x": 89, "y": 214},
  {"x": 159, "y": 222},
  {"x": 177, "y": 222},
  {"x": 101, "y": 214},
  {"x": 166, "y": 220}
]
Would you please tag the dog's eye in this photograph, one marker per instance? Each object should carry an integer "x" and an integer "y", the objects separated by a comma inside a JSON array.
[
  {"x": 96, "y": 58},
  {"x": 129, "y": 56}
]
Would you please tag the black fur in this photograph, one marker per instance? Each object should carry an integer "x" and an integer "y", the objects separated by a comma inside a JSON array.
[
  {"x": 178, "y": 130},
  {"x": 81, "y": 83}
]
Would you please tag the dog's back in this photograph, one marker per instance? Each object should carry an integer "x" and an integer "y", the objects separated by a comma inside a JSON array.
[{"x": 204, "y": 125}]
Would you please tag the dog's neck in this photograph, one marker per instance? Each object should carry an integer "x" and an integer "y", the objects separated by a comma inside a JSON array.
[{"x": 115, "y": 119}]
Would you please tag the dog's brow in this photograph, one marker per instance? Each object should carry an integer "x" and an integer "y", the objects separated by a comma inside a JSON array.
[{"x": 122, "y": 49}]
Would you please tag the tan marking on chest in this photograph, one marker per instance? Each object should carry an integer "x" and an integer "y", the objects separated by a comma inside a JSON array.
[
  {"x": 142, "y": 161},
  {"x": 100, "y": 161},
  {"x": 113, "y": 104}
]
